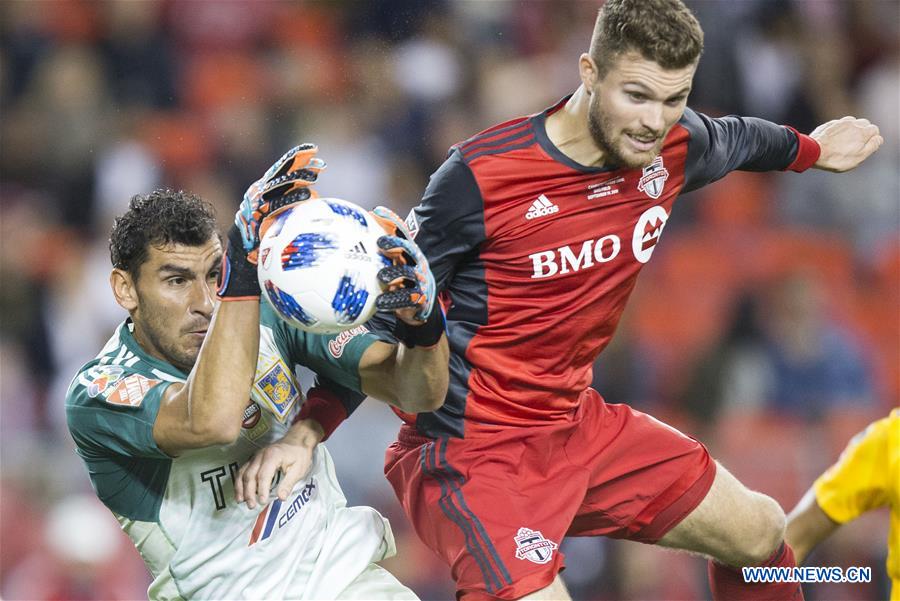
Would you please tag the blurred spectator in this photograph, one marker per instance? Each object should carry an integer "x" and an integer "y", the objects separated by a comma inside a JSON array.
[
  {"x": 816, "y": 365},
  {"x": 77, "y": 559},
  {"x": 733, "y": 372}
]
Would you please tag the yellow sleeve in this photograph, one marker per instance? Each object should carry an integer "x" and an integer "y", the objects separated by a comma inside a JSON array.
[{"x": 859, "y": 481}]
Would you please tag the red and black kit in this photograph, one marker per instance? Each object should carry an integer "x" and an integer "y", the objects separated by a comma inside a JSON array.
[{"x": 536, "y": 257}]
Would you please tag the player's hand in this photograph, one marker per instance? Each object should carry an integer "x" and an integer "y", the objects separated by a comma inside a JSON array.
[
  {"x": 409, "y": 283},
  {"x": 292, "y": 455},
  {"x": 845, "y": 143},
  {"x": 287, "y": 182}
]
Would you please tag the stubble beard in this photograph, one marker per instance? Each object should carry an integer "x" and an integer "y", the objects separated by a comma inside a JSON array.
[
  {"x": 599, "y": 128},
  {"x": 153, "y": 328}
]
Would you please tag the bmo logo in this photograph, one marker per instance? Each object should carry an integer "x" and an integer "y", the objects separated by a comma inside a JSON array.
[{"x": 566, "y": 259}]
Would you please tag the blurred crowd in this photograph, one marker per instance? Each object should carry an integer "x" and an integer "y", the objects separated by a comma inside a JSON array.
[{"x": 767, "y": 323}]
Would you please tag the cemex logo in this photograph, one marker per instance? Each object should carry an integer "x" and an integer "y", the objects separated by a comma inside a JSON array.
[
  {"x": 582, "y": 255},
  {"x": 272, "y": 518}
]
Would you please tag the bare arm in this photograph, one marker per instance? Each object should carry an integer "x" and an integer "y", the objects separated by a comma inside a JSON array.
[
  {"x": 807, "y": 526},
  {"x": 412, "y": 379},
  {"x": 845, "y": 143},
  {"x": 207, "y": 409}
]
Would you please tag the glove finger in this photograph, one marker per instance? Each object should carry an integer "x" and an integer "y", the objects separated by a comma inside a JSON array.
[
  {"x": 285, "y": 183},
  {"x": 397, "y": 249},
  {"x": 280, "y": 202},
  {"x": 399, "y": 299},
  {"x": 294, "y": 159},
  {"x": 391, "y": 222},
  {"x": 397, "y": 275}
]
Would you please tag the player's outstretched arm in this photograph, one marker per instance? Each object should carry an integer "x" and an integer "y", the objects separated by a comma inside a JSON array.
[
  {"x": 412, "y": 379},
  {"x": 845, "y": 143},
  {"x": 807, "y": 526},
  {"x": 207, "y": 409},
  {"x": 292, "y": 455},
  {"x": 414, "y": 374}
]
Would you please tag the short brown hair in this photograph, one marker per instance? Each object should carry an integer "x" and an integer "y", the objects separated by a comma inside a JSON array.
[
  {"x": 157, "y": 219},
  {"x": 663, "y": 31}
]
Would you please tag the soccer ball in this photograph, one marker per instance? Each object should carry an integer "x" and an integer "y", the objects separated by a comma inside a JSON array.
[{"x": 318, "y": 265}]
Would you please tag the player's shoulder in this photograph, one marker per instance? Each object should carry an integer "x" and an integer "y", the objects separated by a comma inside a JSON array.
[
  {"x": 504, "y": 137},
  {"x": 118, "y": 377},
  {"x": 885, "y": 427},
  {"x": 692, "y": 124}
]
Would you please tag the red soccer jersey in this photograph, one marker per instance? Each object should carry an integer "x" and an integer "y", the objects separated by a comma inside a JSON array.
[{"x": 539, "y": 255}]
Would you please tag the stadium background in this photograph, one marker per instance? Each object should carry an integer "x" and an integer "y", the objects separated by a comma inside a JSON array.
[{"x": 766, "y": 324}]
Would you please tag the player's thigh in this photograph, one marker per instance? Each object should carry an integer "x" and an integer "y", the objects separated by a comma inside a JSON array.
[
  {"x": 732, "y": 524},
  {"x": 376, "y": 583},
  {"x": 557, "y": 591},
  {"x": 645, "y": 476},
  {"x": 494, "y": 508}
]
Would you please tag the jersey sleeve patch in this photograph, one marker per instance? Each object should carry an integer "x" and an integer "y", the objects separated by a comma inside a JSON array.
[
  {"x": 337, "y": 344},
  {"x": 130, "y": 391},
  {"x": 412, "y": 224},
  {"x": 275, "y": 388},
  {"x": 100, "y": 380}
]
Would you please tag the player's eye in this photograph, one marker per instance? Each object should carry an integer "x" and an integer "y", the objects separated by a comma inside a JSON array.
[
  {"x": 675, "y": 101},
  {"x": 213, "y": 275},
  {"x": 176, "y": 280},
  {"x": 636, "y": 97}
]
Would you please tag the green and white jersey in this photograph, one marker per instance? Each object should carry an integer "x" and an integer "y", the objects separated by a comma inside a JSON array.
[{"x": 180, "y": 512}]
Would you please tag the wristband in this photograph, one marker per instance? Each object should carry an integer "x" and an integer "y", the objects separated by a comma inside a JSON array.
[
  {"x": 324, "y": 407},
  {"x": 237, "y": 278},
  {"x": 808, "y": 152},
  {"x": 427, "y": 334}
]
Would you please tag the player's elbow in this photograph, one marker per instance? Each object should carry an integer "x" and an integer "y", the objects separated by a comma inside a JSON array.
[
  {"x": 220, "y": 433},
  {"x": 426, "y": 404},
  {"x": 429, "y": 399}
]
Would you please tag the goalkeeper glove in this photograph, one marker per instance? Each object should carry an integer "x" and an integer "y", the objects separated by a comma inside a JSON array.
[{"x": 286, "y": 183}]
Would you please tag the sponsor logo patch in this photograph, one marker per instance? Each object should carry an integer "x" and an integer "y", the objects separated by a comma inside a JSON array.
[
  {"x": 130, "y": 391},
  {"x": 647, "y": 231},
  {"x": 271, "y": 518},
  {"x": 541, "y": 207},
  {"x": 251, "y": 415},
  {"x": 336, "y": 345},
  {"x": 100, "y": 379},
  {"x": 532, "y": 545}
]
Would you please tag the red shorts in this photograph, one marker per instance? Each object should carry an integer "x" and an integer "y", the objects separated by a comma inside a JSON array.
[{"x": 496, "y": 506}]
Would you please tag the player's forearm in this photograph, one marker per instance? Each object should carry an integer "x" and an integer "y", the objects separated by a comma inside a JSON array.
[
  {"x": 807, "y": 526},
  {"x": 218, "y": 388},
  {"x": 421, "y": 376}
]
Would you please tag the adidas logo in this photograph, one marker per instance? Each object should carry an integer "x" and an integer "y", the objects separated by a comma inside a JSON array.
[
  {"x": 359, "y": 249},
  {"x": 541, "y": 207}
]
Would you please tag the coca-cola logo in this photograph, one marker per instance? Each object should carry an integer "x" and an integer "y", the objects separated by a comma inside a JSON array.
[{"x": 336, "y": 345}]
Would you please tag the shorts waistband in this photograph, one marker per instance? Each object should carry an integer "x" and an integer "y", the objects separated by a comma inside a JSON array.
[{"x": 409, "y": 437}]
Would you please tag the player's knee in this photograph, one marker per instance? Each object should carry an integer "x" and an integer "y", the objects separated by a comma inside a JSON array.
[{"x": 764, "y": 534}]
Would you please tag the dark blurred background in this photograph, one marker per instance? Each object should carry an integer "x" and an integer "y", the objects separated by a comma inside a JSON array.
[{"x": 767, "y": 323}]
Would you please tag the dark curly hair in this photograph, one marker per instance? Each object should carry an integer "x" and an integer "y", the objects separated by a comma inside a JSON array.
[
  {"x": 157, "y": 219},
  {"x": 663, "y": 31}
]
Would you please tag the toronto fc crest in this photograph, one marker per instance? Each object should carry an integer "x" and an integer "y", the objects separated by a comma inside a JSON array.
[
  {"x": 533, "y": 546},
  {"x": 654, "y": 178}
]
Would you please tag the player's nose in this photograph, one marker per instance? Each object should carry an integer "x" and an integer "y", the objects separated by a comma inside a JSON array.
[
  {"x": 203, "y": 298},
  {"x": 653, "y": 117}
]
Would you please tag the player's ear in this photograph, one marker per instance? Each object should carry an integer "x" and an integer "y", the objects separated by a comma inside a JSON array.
[
  {"x": 123, "y": 289},
  {"x": 587, "y": 70}
]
